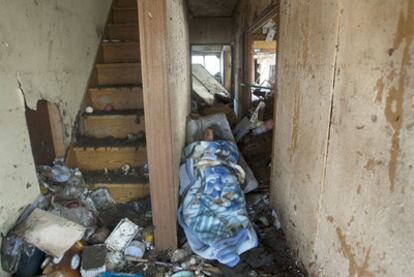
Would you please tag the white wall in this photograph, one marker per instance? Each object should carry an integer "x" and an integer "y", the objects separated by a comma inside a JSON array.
[{"x": 47, "y": 50}]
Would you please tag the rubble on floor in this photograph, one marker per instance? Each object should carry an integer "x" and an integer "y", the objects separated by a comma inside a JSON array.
[{"x": 111, "y": 239}]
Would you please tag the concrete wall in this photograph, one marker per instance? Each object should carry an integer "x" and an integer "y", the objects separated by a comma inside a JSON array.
[
  {"x": 211, "y": 30},
  {"x": 343, "y": 151},
  {"x": 47, "y": 49}
]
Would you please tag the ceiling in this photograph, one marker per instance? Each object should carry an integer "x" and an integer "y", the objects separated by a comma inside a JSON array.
[{"x": 212, "y": 8}]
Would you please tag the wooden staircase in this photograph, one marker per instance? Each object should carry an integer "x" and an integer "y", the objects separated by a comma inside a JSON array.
[{"x": 111, "y": 137}]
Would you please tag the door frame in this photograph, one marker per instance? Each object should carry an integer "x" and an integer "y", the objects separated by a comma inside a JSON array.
[{"x": 248, "y": 66}]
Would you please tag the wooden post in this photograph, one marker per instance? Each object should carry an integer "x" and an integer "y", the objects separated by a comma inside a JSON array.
[{"x": 153, "y": 42}]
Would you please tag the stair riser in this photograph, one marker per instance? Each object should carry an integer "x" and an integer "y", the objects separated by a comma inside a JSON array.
[
  {"x": 89, "y": 159},
  {"x": 119, "y": 75},
  {"x": 124, "y": 193},
  {"x": 123, "y": 33},
  {"x": 117, "y": 126},
  {"x": 125, "y": 3},
  {"x": 122, "y": 53},
  {"x": 121, "y": 16},
  {"x": 120, "y": 100}
]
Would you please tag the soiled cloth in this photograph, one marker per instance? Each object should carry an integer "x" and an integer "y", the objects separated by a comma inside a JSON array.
[{"x": 213, "y": 208}]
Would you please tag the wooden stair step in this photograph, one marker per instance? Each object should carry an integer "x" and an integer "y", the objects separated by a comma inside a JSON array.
[
  {"x": 119, "y": 74},
  {"x": 98, "y": 158},
  {"x": 124, "y": 193},
  {"x": 121, "y": 52},
  {"x": 121, "y": 98},
  {"x": 116, "y": 124},
  {"x": 125, "y": 3},
  {"x": 122, "y": 32},
  {"x": 127, "y": 14},
  {"x": 123, "y": 188}
]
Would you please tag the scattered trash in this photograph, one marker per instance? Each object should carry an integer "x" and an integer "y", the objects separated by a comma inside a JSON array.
[
  {"x": 183, "y": 274},
  {"x": 125, "y": 169},
  {"x": 115, "y": 261},
  {"x": 93, "y": 261},
  {"x": 110, "y": 274},
  {"x": 57, "y": 173},
  {"x": 68, "y": 263},
  {"x": 135, "y": 249},
  {"x": 263, "y": 128},
  {"x": 99, "y": 236},
  {"x": 52, "y": 234},
  {"x": 108, "y": 107},
  {"x": 83, "y": 232},
  {"x": 146, "y": 170},
  {"x": 102, "y": 198},
  {"x": 122, "y": 235},
  {"x": 133, "y": 137},
  {"x": 11, "y": 252},
  {"x": 30, "y": 262},
  {"x": 276, "y": 220},
  {"x": 246, "y": 124},
  {"x": 76, "y": 211},
  {"x": 179, "y": 255},
  {"x": 89, "y": 110}
]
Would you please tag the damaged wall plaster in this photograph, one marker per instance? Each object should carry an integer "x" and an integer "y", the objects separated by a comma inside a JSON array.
[
  {"x": 47, "y": 50},
  {"x": 345, "y": 193}
]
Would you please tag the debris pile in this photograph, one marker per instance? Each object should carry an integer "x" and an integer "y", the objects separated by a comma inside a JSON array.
[
  {"x": 71, "y": 230},
  {"x": 256, "y": 143},
  {"x": 272, "y": 257}
]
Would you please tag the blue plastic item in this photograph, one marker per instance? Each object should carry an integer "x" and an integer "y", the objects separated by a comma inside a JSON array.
[{"x": 110, "y": 274}]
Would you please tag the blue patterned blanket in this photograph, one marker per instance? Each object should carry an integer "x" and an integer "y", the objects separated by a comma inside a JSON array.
[{"x": 213, "y": 209}]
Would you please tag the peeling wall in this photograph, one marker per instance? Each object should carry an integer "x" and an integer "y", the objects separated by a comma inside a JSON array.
[
  {"x": 47, "y": 49},
  {"x": 343, "y": 151}
]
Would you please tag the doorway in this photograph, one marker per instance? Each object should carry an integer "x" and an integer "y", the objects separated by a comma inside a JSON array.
[
  {"x": 259, "y": 94},
  {"x": 46, "y": 132}
]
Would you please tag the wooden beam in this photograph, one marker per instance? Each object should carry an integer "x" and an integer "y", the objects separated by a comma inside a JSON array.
[
  {"x": 153, "y": 22},
  {"x": 56, "y": 128}
]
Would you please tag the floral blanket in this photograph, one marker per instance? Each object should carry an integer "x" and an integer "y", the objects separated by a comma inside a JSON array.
[{"x": 213, "y": 208}]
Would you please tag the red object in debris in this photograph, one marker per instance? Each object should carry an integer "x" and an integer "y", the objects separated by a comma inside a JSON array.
[
  {"x": 267, "y": 125},
  {"x": 109, "y": 107}
]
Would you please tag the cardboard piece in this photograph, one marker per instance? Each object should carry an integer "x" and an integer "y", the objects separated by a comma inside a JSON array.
[{"x": 52, "y": 234}]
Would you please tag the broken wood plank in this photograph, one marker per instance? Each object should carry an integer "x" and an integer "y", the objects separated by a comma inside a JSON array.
[
  {"x": 202, "y": 92},
  {"x": 209, "y": 82}
]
